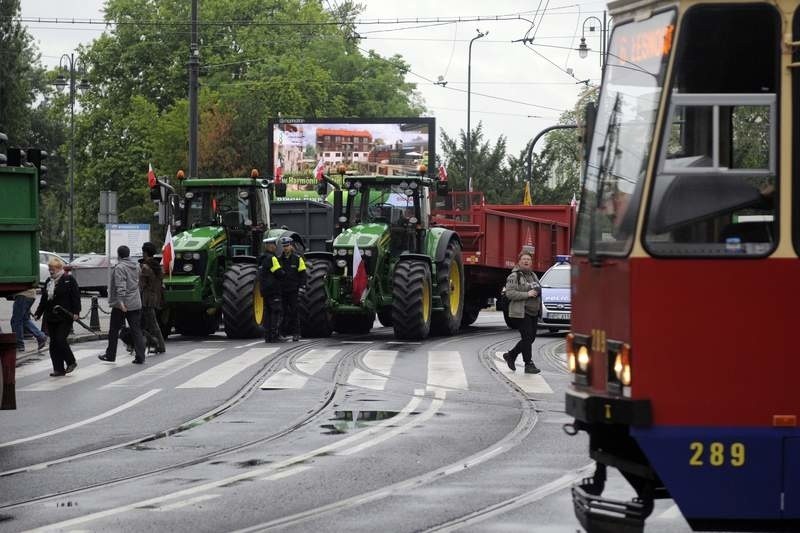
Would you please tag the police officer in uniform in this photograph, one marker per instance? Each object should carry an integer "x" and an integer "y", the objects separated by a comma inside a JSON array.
[
  {"x": 271, "y": 276},
  {"x": 295, "y": 269}
]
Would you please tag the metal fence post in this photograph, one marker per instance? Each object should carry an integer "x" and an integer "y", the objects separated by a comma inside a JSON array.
[{"x": 94, "y": 318}]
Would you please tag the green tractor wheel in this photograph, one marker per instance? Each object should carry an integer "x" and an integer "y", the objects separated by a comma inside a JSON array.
[
  {"x": 197, "y": 324},
  {"x": 315, "y": 315},
  {"x": 411, "y": 300},
  {"x": 354, "y": 324},
  {"x": 450, "y": 286},
  {"x": 385, "y": 316},
  {"x": 241, "y": 302}
]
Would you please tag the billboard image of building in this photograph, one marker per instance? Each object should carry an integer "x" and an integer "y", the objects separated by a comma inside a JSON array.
[{"x": 389, "y": 147}]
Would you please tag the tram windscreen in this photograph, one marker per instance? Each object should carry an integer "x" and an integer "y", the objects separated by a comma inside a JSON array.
[{"x": 623, "y": 133}]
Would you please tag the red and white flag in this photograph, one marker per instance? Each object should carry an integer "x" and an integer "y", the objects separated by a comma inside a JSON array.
[
  {"x": 319, "y": 171},
  {"x": 574, "y": 201},
  {"x": 168, "y": 254},
  {"x": 442, "y": 173},
  {"x": 278, "y": 171},
  {"x": 469, "y": 185},
  {"x": 151, "y": 177},
  {"x": 359, "y": 275}
]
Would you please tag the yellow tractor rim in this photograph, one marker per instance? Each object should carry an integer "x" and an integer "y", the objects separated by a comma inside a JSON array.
[
  {"x": 426, "y": 300},
  {"x": 455, "y": 287},
  {"x": 258, "y": 304}
]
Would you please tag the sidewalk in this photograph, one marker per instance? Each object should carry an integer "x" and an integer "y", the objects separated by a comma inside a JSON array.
[{"x": 79, "y": 334}]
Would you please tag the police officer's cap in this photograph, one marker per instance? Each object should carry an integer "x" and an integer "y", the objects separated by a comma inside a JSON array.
[
  {"x": 271, "y": 240},
  {"x": 286, "y": 240}
]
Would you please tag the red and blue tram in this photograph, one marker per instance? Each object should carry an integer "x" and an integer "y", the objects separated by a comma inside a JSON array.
[{"x": 684, "y": 362}]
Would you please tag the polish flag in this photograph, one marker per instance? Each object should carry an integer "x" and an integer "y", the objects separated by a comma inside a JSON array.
[
  {"x": 319, "y": 170},
  {"x": 359, "y": 275},
  {"x": 168, "y": 253},
  {"x": 442, "y": 173},
  {"x": 574, "y": 201},
  {"x": 278, "y": 172},
  {"x": 151, "y": 177}
]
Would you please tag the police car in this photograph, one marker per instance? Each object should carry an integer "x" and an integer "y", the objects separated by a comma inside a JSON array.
[{"x": 556, "y": 302}]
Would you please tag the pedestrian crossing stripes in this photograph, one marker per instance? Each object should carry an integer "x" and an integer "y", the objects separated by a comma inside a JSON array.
[
  {"x": 380, "y": 361},
  {"x": 309, "y": 364},
  {"x": 445, "y": 370},
  {"x": 170, "y": 366},
  {"x": 533, "y": 383},
  {"x": 220, "y": 374},
  {"x": 47, "y": 365}
]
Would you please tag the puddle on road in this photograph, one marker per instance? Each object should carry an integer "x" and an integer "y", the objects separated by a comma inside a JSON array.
[{"x": 344, "y": 421}]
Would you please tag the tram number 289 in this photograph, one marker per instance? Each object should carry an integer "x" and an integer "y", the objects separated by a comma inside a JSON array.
[{"x": 716, "y": 454}]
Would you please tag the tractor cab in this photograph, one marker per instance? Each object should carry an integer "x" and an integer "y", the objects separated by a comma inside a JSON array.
[
  {"x": 400, "y": 203},
  {"x": 238, "y": 207}
]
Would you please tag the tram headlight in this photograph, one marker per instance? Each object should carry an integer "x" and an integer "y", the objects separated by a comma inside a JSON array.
[
  {"x": 583, "y": 358},
  {"x": 572, "y": 362},
  {"x": 622, "y": 365},
  {"x": 341, "y": 263}
]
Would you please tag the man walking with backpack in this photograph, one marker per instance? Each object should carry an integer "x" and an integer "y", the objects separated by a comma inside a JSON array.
[{"x": 126, "y": 305}]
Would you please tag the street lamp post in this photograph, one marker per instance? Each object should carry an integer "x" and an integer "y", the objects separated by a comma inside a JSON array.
[
  {"x": 67, "y": 64},
  {"x": 583, "y": 50},
  {"x": 469, "y": 94}
]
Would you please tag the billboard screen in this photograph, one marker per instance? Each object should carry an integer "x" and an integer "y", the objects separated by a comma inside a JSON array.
[{"x": 389, "y": 147}]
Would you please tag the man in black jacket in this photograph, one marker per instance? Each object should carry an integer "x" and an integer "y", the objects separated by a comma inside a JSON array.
[
  {"x": 270, "y": 275},
  {"x": 295, "y": 269}
]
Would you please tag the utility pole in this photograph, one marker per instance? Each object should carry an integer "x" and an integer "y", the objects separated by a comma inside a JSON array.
[
  {"x": 469, "y": 87},
  {"x": 194, "y": 71}
]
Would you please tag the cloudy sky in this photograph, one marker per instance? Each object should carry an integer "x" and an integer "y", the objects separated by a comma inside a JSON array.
[{"x": 517, "y": 90}]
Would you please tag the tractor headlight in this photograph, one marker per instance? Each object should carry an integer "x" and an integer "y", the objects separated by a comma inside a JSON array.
[
  {"x": 341, "y": 251},
  {"x": 188, "y": 267},
  {"x": 342, "y": 219},
  {"x": 196, "y": 256},
  {"x": 341, "y": 263},
  {"x": 583, "y": 358},
  {"x": 413, "y": 185},
  {"x": 187, "y": 256},
  {"x": 368, "y": 252},
  {"x": 403, "y": 185}
]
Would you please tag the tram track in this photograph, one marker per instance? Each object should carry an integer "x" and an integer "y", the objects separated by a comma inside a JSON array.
[{"x": 281, "y": 360}]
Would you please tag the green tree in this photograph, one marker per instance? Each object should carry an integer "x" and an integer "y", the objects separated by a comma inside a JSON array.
[
  {"x": 488, "y": 166},
  {"x": 256, "y": 64}
]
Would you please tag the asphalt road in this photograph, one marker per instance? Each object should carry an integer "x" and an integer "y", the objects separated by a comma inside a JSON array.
[{"x": 339, "y": 434}]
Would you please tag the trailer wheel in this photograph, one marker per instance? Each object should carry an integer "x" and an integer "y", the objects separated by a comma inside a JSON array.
[
  {"x": 242, "y": 306},
  {"x": 450, "y": 286},
  {"x": 470, "y": 315},
  {"x": 411, "y": 300},
  {"x": 385, "y": 316},
  {"x": 197, "y": 324},
  {"x": 354, "y": 324},
  {"x": 316, "y": 319}
]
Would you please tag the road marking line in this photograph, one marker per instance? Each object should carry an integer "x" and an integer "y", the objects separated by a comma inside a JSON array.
[
  {"x": 112, "y": 412},
  {"x": 313, "y": 361},
  {"x": 255, "y": 473},
  {"x": 156, "y": 372},
  {"x": 220, "y": 374},
  {"x": 284, "y": 379},
  {"x": 357, "y": 342},
  {"x": 248, "y": 345},
  {"x": 446, "y": 370},
  {"x": 286, "y": 473},
  {"x": 534, "y": 383},
  {"x": 403, "y": 342},
  {"x": 41, "y": 366},
  {"x": 380, "y": 361},
  {"x": 51, "y": 384},
  {"x": 185, "y": 503},
  {"x": 671, "y": 513},
  {"x": 433, "y": 408}
]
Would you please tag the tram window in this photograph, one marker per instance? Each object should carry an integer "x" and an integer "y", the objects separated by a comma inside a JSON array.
[{"x": 715, "y": 189}]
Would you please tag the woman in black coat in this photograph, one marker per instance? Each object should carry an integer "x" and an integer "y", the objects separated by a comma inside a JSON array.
[{"x": 60, "y": 305}]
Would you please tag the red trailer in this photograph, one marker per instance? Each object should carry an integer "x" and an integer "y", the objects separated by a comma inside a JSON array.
[{"x": 492, "y": 237}]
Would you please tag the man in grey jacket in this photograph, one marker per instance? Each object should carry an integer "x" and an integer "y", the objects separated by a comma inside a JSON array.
[{"x": 126, "y": 305}]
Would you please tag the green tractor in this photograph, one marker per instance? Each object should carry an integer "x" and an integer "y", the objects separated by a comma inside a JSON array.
[
  {"x": 221, "y": 224},
  {"x": 415, "y": 274}
]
